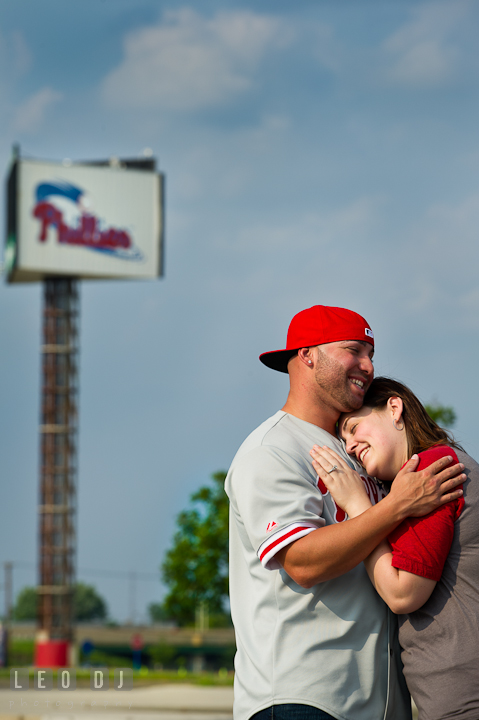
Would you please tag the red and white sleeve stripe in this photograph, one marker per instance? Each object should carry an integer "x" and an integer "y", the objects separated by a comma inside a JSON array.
[{"x": 279, "y": 540}]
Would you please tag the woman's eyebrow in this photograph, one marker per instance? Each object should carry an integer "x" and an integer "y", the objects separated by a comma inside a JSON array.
[{"x": 344, "y": 426}]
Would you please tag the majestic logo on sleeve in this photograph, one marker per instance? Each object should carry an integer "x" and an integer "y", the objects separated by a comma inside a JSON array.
[
  {"x": 271, "y": 526},
  {"x": 64, "y": 207}
]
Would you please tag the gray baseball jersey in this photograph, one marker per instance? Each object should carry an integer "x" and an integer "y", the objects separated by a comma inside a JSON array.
[{"x": 333, "y": 646}]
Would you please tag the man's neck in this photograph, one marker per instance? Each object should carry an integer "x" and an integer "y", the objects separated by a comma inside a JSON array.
[{"x": 322, "y": 416}]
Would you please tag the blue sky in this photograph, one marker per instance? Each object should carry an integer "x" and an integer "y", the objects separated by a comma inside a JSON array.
[{"x": 315, "y": 152}]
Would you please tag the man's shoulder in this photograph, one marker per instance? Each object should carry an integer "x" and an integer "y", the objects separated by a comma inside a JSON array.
[
  {"x": 277, "y": 449},
  {"x": 279, "y": 445},
  {"x": 262, "y": 433},
  {"x": 287, "y": 433}
]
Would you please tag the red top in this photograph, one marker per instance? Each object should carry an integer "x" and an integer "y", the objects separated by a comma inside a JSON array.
[{"x": 421, "y": 545}]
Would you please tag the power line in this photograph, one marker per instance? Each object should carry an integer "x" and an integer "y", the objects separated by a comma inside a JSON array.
[
  {"x": 119, "y": 573},
  {"x": 96, "y": 571}
]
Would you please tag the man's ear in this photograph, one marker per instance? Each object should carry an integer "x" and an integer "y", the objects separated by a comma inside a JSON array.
[
  {"x": 306, "y": 356},
  {"x": 395, "y": 407}
]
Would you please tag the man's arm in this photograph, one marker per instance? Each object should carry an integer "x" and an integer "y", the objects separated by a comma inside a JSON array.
[{"x": 333, "y": 550}]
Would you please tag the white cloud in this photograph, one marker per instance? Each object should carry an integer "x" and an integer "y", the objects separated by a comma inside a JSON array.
[
  {"x": 327, "y": 48},
  {"x": 21, "y": 57},
  {"x": 190, "y": 62},
  {"x": 15, "y": 56},
  {"x": 421, "y": 53},
  {"x": 332, "y": 229},
  {"x": 441, "y": 259},
  {"x": 425, "y": 62},
  {"x": 450, "y": 224},
  {"x": 30, "y": 114}
]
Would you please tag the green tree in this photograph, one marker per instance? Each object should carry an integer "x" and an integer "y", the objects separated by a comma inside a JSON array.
[
  {"x": 162, "y": 654},
  {"x": 157, "y": 613},
  {"x": 195, "y": 568},
  {"x": 444, "y": 415},
  {"x": 26, "y": 606},
  {"x": 87, "y": 603}
]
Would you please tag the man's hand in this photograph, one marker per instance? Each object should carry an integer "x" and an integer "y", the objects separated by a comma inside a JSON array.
[
  {"x": 335, "y": 549},
  {"x": 419, "y": 493}
]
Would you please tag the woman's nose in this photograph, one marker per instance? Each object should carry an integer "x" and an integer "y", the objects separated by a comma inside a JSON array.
[{"x": 350, "y": 445}]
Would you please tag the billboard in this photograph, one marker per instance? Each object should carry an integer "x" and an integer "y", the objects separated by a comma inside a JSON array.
[{"x": 89, "y": 221}]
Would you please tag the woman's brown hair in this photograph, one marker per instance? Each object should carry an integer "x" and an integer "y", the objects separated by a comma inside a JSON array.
[{"x": 421, "y": 431}]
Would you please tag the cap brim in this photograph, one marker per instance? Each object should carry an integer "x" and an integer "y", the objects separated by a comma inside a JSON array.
[{"x": 278, "y": 359}]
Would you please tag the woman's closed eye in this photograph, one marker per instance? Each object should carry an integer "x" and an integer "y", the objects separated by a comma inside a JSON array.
[{"x": 352, "y": 429}]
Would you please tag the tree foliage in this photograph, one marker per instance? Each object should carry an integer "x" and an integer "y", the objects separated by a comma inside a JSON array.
[
  {"x": 87, "y": 603},
  {"x": 162, "y": 653},
  {"x": 157, "y": 613},
  {"x": 195, "y": 568},
  {"x": 444, "y": 415},
  {"x": 26, "y": 605}
]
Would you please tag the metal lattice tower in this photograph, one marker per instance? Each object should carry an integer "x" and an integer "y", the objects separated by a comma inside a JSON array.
[{"x": 58, "y": 450}]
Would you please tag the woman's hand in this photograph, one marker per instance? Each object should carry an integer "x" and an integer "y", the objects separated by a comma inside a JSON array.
[{"x": 344, "y": 483}]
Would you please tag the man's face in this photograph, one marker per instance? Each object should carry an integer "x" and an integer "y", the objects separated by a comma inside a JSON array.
[{"x": 343, "y": 372}]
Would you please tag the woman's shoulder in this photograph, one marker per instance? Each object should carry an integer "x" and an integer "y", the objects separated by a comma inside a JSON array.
[{"x": 426, "y": 457}]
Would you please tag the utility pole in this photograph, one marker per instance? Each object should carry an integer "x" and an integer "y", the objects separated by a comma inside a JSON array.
[
  {"x": 8, "y": 569},
  {"x": 133, "y": 597}
]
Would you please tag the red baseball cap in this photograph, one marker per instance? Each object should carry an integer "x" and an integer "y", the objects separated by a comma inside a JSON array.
[{"x": 318, "y": 325}]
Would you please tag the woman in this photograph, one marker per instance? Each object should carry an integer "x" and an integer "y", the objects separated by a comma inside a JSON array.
[{"x": 427, "y": 570}]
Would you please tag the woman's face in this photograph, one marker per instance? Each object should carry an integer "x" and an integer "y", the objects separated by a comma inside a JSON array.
[{"x": 370, "y": 436}]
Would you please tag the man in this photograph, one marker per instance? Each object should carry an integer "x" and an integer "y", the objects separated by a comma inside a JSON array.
[{"x": 314, "y": 640}]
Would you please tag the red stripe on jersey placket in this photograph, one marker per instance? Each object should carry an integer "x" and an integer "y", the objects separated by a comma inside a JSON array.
[{"x": 283, "y": 537}]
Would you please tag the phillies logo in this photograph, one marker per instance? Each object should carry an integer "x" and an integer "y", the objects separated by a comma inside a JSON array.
[
  {"x": 373, "y": 491},
  {"x": 63, "y": 206},
  {"x": 339, "y": 514}
]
